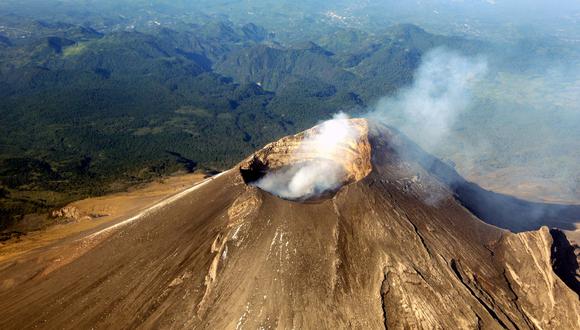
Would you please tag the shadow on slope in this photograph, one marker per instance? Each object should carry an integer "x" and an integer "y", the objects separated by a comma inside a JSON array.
[{"x": 497, "y": 209}]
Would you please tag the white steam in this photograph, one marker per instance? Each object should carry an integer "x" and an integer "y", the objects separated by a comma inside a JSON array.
[
  {"x": 321, "y": 172},
  {"x": 441, "y": 91}
]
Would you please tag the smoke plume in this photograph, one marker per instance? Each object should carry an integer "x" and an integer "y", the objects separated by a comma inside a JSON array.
[
  {"x": 429, "y": 107},
  {"x": 314, "y": 177}
]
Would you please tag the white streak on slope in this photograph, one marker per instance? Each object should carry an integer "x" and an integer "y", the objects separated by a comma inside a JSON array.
[{"x": 156, "y": 207}]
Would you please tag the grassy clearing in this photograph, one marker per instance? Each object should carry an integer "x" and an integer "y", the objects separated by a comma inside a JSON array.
[{"x": 74, "y": 50}]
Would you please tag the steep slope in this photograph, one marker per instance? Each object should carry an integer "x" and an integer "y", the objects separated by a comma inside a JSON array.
[{"x": 392, "y": 248}]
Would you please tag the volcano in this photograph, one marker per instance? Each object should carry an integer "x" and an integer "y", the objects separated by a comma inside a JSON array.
[{"x": 400, "y": 241}]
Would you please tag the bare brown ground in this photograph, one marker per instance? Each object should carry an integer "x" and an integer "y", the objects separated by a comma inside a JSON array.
[
  {"x": 224, "y": 255},
  {"x": 110, "y": 209},
  {"x": 510, "y": 181}
]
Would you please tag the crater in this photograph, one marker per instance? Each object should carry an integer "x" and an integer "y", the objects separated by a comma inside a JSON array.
[{"x": 312, "y": 165}]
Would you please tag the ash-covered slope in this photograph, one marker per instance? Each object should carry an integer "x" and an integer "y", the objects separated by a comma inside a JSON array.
[{"x": 392, "y": 247}]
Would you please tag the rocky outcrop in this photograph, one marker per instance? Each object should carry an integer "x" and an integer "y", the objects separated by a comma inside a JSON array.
[
  {"x": 528, "y": 259},
  {"x": 69, "y": 213}
]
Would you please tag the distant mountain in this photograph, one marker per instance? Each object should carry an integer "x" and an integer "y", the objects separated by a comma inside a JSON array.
[
  {"x": 255, "y": 33},
  {"x": 274, "y": 67},
  {"x": 370, "y": 65}
]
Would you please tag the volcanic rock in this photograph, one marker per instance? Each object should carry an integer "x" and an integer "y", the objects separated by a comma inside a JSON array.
[
  {"x": 354, "y": 155},
  {"x": 69, "y": 213}
]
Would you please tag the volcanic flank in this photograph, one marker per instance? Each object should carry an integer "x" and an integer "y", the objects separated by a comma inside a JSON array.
[{"x": 372, "y": 250}]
